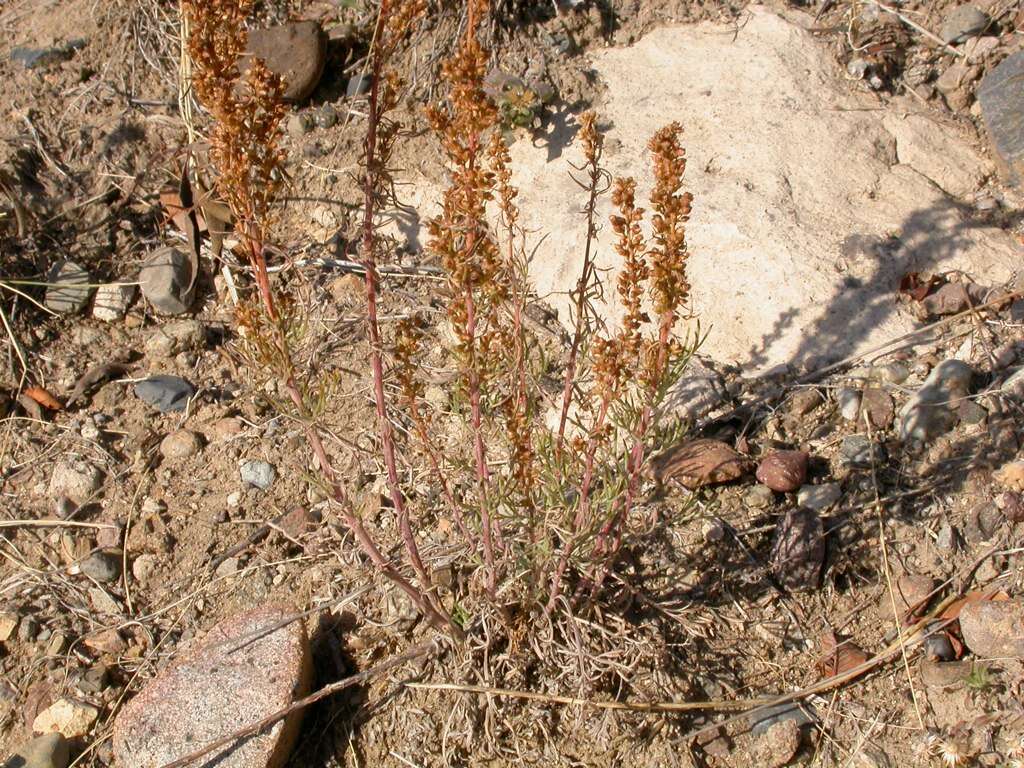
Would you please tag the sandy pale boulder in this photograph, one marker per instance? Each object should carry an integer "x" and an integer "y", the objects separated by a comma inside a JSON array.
[
  {"x": 810, "y": 202},
  {"x": 244, "y": 669}
]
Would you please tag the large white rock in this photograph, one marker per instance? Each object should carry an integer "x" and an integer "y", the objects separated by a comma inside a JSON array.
[{"x": 811, "y": 200}]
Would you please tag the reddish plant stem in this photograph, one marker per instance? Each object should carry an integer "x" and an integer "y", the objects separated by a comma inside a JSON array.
[
  {"x": 583, "y": 510},
  {"x": 354, "y": 524},
  {"x": 483, "y": 475},
  {"x": 258, "y": 261},
  {"x": 435, "y": 465},
  {"x": 586, "y": 274},
  {"x": 372, "y": 283},
  {"x": 636, "y": 457}
]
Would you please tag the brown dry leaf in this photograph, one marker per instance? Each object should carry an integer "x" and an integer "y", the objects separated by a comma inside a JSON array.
[
  {"x": 170, "y": 199},
  {"x": 44, "y": 398},
  {"x": 977, "y": 596},
  {"x": 917, "y": 285},
  {"x": 839, "y": 656},
  {"x": 217, "y": 216}
]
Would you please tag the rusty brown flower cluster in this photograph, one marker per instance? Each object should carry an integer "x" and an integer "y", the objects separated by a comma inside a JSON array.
[
  {"x": 670, "y": 288},
  {"x": 246, "y": 136}
]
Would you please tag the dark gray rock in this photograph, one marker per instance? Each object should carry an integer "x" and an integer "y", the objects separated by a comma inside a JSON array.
[
  {"x": 95, "y": 679},
  {"x": 983, "y": 523},
  {"x": 104, "y": 566},
  {"x": 948, "y": 538},
  {"x": 49, "y": 751},
  {"x": 802, "y": 713},
  {"x": 963, "y": 22},
  {"x": 326, "y": 116},
  {"x": 938, "y": 647},
  {"x": 971, "y": 413},
  {"x": 68, "y": 290},
  {"x": 165, "y": 393},
  {"x": 36, "y": 58},
  {"x": 358, "y": 86},
  {"x": 296, "y": 51},
  {"x": 858, "y": 452},
  {"x": 167, "y": 282},
  {"x": 1002, "y": 108}
]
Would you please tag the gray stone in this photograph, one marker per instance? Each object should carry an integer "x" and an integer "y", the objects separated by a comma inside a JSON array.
[
  {"x": 819, "y": 497},
  {"x": 35, "y": 58},
  {"x": 359, "y": 85},
  {"x": 849, "y": 403},
  {"x": 28, "y": 629},
  {"x": 1002, "y": 109},
  {"x": 698, "y": 392},
  {"x": 64, "y": 508},
  {"x": 112, "y": 301},
  {"x": 326, "y": 116},
  {"x": 95, "y": 679},
  {"x": 167, "y": 281},
  {"x": 971, "y": 413},
  {"x": 49, "y": 751},
  {"x": 858, "y": 452},
  {"x": 300, "y": 124},
  {"x": 104, "y": 566},
  {"x": 296, "y": 51},
  {"x": 1013, "y": 387},
  {"x": 798, "y": 551},
  {"x": 947, "y": 538},
  {"x": 68, "y": 288},
  {"x": 165, "y": 393},
  {"x": 174, "y": 337},
  {"x": 759, "y": 497},
  {"x": 245, "y": 668},
  {"x": 891, "y": 373},
  {"x": 76, "y": 479},
  {"x": 258, "y": 474},
  {"x": 963, "y": 22},
  {"x": 932, "y": 410}
]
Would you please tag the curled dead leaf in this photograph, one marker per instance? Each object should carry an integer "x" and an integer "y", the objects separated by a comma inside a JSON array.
[
  {"x": 44, "y": 398},
  {"x": 952, "y": 611},
  {"x": 839, "y": 655}
]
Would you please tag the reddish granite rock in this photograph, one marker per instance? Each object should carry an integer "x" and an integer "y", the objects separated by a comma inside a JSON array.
[{"x": 241, "y": 671}]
